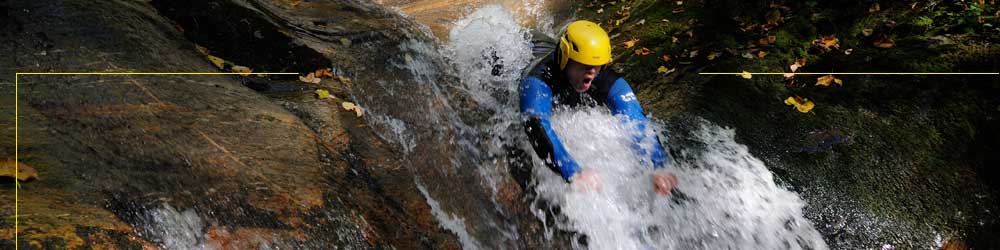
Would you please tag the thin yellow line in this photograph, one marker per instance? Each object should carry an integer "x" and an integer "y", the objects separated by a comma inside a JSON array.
[
  {"x": 149, "y": 73},
  {"x": 16, "y": 185},
  {"x": 850, "y": 73}
]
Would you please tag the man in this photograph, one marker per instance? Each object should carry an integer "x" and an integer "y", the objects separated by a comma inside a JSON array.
[{"x": 573, "y": 74}]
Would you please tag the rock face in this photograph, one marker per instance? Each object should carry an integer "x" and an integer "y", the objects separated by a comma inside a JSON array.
[{"x": 185, "y": 161}]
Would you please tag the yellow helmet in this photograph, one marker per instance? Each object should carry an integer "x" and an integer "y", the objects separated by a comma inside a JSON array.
[{"x": 584, "y": 42}]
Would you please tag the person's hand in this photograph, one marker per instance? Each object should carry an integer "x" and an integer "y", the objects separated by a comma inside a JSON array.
[
  {"x": 663, "y": 182},
  {"x": 587, "y": 181}
]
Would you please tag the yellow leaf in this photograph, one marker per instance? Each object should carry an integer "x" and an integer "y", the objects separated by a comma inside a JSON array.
[
  {"x": 24, "y": 173},
  {"x": 352, "y": 107},
  {"x": 311, "y": 78},
  {"x": 827, "y": 79},
  {"x": 746, "y": 75},
  {"x": 801, "y": 104},
  {"x": 664, "y": 70},
  {"x": 245, "y": 71},
  {"x": 761, "y": 54},
  {"x": 630, "y": 43},
  {"x": 322, "y": 94},
  {"x": 713, "y": 55},
  {"x": 218, "y": 62}
]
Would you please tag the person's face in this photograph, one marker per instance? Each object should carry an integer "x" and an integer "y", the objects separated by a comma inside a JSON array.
[{"x": 580, "y": 75}]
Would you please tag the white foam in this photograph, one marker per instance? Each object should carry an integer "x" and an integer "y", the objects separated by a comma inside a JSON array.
[
  {"x": 175, "y": 229},
  {"x": 453, "y": 223},
  {"x": 732, "y": 201}
]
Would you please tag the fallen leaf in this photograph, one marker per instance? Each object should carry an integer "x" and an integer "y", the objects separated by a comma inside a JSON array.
[
  {"x": 690, "y": 33},
  {"x": 827, "y": 79},
  {"x": 295, "y": 3},
  {"x": 24, "y": 172},
  {"x": 746, "y": 75},
  {"x": 311, "y": 78},
  {"x": 875, "y": 8},
  {"x": 761, "y": 54},
  {"x": 679, "y": 2},
  {"x": 643, "y": 51},
  {"x": 202, "y": 50},
  {"x": 245, "y": 71},
  {"x": 664, "y": 70},
  {"x": 795, "y": 66},
  {"x": 693, "y": 54},
  {"x": 218, "y": 62},
  {"x": 630, "y": 43},
  {"x": 322, "y": 94},
  {"x": 601, "y": 10},
  {"x": 666, "y": 58},
  {"x": 673, "y": 39},
  {"x": 320, "y": 73},
  {"x": 640, "y": 22},
  {"x": 867, "y": 31},
  {"x": 801, "y": 104},
  {"x": 789, "y": 75},
  {"x": 826, "y": 43},
  {"x": 772, "y": 38},
  {"x": 884, "y": 42},
  {"x": 352, "y": 107},
  {"x": 848, "y": 51},
  {"x": 713, "y": 55}
]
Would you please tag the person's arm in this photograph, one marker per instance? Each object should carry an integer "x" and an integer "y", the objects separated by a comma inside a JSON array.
[
  {"x": 536, "y": 103},
  {"x": 622, "y": 101}
]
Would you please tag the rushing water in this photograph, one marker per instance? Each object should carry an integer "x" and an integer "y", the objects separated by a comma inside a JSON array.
[{"x": 726, "y": 198}]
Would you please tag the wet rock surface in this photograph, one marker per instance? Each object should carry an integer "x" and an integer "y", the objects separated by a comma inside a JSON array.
[{"x": 180, "y": 161}]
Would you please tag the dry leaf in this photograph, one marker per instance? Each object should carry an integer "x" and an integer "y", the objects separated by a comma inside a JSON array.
[
  {"x": 218, "y": 62},
  {"x": 352, "y": 107},
  {"x": 24, "y": 172},
  {"x": 640, "y": 22},
  {"x": 630, "y": 43},
  {"x": 322, "y": 94},
  {"x": 202, "y": 50},
  {"x": 746, "y": 75},
  {"x": 761, "y": 54},
  {"x": 666, "y": 58},
  {"x": 693, "y": 54},
  {"x": 673, "y": 39},
  {"x": 827, "y": 79},
  {"x": 320, "y": 73},
  {"x": 875, "y": 8},
  {"x": 713, "y": 55},
  {"x": 848, "y": 51},
  {"x": 884, "y": 42},
  {"x": 801, "y": 104},
  {"x": 664, "y": 70},
  {"x": 867, "y": 31},
  {"x": 601, "y": 10},
  {"x": 295, "y": 3},
  {"x": 311, "y": 78},
  {"x": 245, "y": 71},
  {"x": 643, "y": 51}
]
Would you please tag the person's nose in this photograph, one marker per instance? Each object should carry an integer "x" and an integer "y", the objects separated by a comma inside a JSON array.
[{"x": 591, "y": 71}]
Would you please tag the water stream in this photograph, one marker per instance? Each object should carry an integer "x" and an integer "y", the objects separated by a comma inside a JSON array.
[{"x": 726, "y": 199}]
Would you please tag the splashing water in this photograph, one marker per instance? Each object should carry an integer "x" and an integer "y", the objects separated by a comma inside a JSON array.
[{"x": 725, "y": 199}]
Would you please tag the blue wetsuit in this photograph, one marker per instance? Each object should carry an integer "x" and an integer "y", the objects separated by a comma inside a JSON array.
[{"x": 546, "y": 85}]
